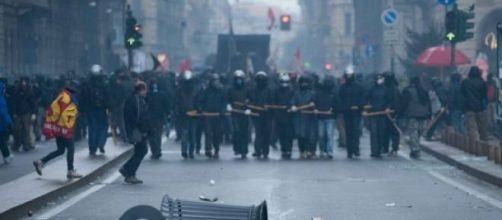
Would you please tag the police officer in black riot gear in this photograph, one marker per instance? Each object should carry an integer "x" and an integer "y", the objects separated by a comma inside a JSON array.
[{"x": 237, "y": 101}]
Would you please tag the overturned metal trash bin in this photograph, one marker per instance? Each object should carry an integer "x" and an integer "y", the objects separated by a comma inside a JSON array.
[{"x": 175, "y": 209}]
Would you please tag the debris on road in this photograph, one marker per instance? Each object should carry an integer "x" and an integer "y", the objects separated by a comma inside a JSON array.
[
  {"x": 203, "y": 198},
  {"x": 390, "y": 204}
]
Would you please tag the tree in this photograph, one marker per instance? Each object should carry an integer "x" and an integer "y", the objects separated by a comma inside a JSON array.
[{"x": 416, "y": 43}]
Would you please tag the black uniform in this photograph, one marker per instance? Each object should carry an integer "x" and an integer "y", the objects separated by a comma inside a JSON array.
[
  {"x": 159, "y": 109},
  {"x": 304, "y": 123},
  {"x": 186, "y": 102},
  {"x": 238, "y": 98},
  {"x": 261, "y": 96},
  {"x": 213, "y": 101},
  {"x": 379, "y": 98},
  {"x": 351, "y": 105},
  {"x": 284, "y": 119}
]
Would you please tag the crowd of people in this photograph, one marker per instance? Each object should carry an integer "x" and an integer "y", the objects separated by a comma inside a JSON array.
[{"x": 267, "y": 110}]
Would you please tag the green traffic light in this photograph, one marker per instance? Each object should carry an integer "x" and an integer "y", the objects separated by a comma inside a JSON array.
[
  {"x": 450, "y": 36},
  {"x": 131, "y": 41}
]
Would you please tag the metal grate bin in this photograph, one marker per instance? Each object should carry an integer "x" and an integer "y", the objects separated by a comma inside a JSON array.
[{"x": 175, "y": 209}]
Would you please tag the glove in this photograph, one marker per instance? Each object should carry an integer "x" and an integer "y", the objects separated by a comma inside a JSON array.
[
  {"x": 294, "y": 108},
  {"x": 229, "y": 108},
  {"x": 247, "y": 112},
  {"x": 33, "y": 117}
]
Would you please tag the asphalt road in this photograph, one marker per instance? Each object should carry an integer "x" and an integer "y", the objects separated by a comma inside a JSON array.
[{"x": 390, "y": 188}]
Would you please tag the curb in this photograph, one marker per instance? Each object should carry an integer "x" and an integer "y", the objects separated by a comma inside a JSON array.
[
  {"x": 22, "y": 210},
  {"x": 487, "y": 177}
]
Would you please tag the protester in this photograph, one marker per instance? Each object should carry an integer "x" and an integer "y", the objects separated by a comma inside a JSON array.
[
  {"x": 238, "y": 97},
  {"x": 416, "y": 107},
  {"x": 351, "y": 105},
  {"x": 5, "y": 123},
  {"x": 159, "y": 110},
  {"x": 60, "y": 123},
  {"x": 284, "y": 118},
  {"x": 325, "y": 101},
  {"x": 136, "y": 117},
  {"x": 378, "y": 100},
  {"x": 23, "y": 112}
]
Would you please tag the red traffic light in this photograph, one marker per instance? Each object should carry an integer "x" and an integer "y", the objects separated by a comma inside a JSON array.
[
  {"x": 328, "y": 66},
  {"x": 285, "y": 19}
]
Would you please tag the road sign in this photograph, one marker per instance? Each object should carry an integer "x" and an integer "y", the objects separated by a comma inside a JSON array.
[
  {"x": 447, "y": 2},
  {"x": 389, "y": 17},
  {"x": 391, "y": 36}
]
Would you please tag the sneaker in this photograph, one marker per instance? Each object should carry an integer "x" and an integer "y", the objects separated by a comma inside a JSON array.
[
  {"x": 191, "y": 156},
  {"x": 184, "y": 155},
  {"x": 28, "y": 149},
  {"x": 8, "y": 159},
  {"x": 132, "y": 180},
  {"x": 329, "y": 156},
  {"x": 244, "y": 156},
  {"x": 38, "y": 166},
  {"x": 415, "y": 154},
  {"x": 102, "y": 150},
  {"x": 209, "y": 155},
  {"x": 72, "y": 174},
  {"x": 216, "y": 155}
]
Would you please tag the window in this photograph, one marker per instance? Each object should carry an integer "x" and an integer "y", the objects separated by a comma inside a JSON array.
[{"x": 348, "y": 23}]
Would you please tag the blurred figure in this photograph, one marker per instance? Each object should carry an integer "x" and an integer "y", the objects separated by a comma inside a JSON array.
[
  {"x": 492, "y": 96},
  {"x": 23, "y": 111},
  {"x": 96, "y": 100},
  {"x": 392, "y": 136},
  {"x": 456, "y": 104},
  {"x": 378, "y": 99},
  {"x": 118, "y": 89},
  {"x": 439, "y": 101},
  {"x": 474, "y": 91},
  {"x": 59, "y": 123},
  {"x": 185, "y": 102},
  {"x": 326, "y": 103},
  {"x": 416, "y": 107},
  {"x": 137, "y": 123},
  {"x": 351, "y": 105},
  {"x": 304, "y": 123},
  {"x": 237, "y": 99},
  {"x": 260, "y": 97},
  {"x": 284, "y": 119},
  {"x": 5, "y": 123},
  {"x": 159, "y": 110},
  {"x": 212, "y": 103}
]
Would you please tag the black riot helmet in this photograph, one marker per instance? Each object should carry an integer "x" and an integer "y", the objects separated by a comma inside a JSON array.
[{"x": 305, "y": 82}]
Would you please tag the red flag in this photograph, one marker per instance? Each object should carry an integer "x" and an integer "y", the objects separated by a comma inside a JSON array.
[
  {"x": 299, "y": 61},
  {"x": 271, "y": 17},
  {"x": 185, "y": 65}
]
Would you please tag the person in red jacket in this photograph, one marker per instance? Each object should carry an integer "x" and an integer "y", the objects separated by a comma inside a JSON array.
[{"x": 60, "y": 123}]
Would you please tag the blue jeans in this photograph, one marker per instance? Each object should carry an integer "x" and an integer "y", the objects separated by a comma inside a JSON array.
[
  {"x": 326, "y": 135},
  {"x": 457, "y": 121},
  {"x": 98, "y": 129}
]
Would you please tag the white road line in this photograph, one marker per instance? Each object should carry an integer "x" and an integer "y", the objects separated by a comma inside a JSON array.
[
  {"x": 63, "y": 206},
  {"x": 459, "y": 186},
  {"x": 468, "y": 190}
]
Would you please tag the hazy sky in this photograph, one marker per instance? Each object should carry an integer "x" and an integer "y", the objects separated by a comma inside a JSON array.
[{"x": 286, "y": 5}]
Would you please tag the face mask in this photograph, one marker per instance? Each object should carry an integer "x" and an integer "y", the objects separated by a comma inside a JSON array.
[
  {"x": 284, "y": 84},
  {"x": 380, "y": 81},
  {"x": 239, "y": 82}
]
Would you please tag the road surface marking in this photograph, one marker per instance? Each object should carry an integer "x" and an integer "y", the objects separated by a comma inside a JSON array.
[
  {"x": 63, "y": 206},
  {"x": 459, "y": 186}
]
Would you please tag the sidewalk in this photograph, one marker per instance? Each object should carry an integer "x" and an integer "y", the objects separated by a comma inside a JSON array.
[
  {"x": 479, "y": 167},
  {"x": 31, "y": 192}
]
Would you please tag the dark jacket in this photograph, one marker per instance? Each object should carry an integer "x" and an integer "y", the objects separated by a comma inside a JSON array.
[
  {"x": 379, "y": 98},
  {"x": 304, "y": 124},
  {"x": 186, "y": 99},
  {"x": 23, "y": 101},
  {"x": 456, "y": 99},
  {"x": 416, "y": 103},
  {"x": 325, "y": 100},
  {"x": 474, "y": 92},
  {"x": 282, "y": 97},
  {"x": 351, "y": 94},
  {"x": 238, "y": 95},
  {"x": 158, "y": 106},
  {"x": 95, "y": 96},
  {"x": 136, "y": 115},
  {"x": 212, "y": 100}
]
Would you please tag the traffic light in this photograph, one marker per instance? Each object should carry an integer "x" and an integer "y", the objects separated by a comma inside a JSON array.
[
  {"x": 465, "y": 25},
  {"x": 451, "y": 26},
  {"x": 459, "y": 25},
  {"x": 133, "y": 34},
  {"x": 285, "y": 22}
]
